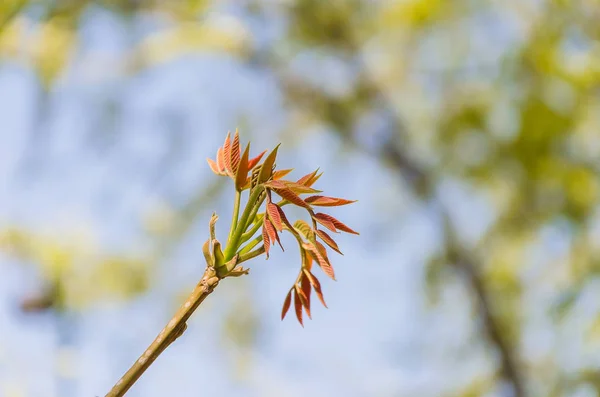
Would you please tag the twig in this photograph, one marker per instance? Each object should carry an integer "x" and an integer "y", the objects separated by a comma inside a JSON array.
[{"x": 173, "y": 330}]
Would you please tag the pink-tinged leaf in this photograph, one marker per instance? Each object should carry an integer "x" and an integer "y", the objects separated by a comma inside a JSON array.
[
  {"x": 234, "y": 155},
  {"x": 324, "y": 201},
  {"x": 266, "y": 240},
  {"x": 220, "y": 160},
  {"x": 286, "y": 304},
  {"x": 213, "y": 166},
  {"x": 310, "y": 179},
  {"x": 299, "y": 188},
  {"x": 320, "y": 259},
  {"x": 328, "y": 240},
  {"x": 284, "y": 218},
  {"x": 283, "y": 191},
  {"x": 303, "y": 299},
  {"x": 242, "y": 171},
  {"x": 227, "y": 154},
  {"x": 304, "y": 229},
  {"x": 272, "y": 232},
  {"x": 322, "y": 251},
  {"x": 316, "y": 286},
  {"x": 254, "y": 161},
  {"x": 325, "y": 222},
  {"x": 338, "y": 225},
  {"x": 266, "y": 169},
  {"x": 298, "y": 307},
  {"x": 305, "y": 287},
  {"x": 274, "y": 215},
  {"x": 281, "y": 173}
]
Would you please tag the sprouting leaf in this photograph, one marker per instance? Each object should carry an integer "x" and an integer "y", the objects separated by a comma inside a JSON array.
[
  {"x": 220, "y": 159},
  {"x": 242, "y": 172},
  {"x": 299, "y": 188},
  {"x": 305, "y": 287},
  {"x": 266, "y": 240},
  {"x": 234, "y": 154},
  {"x": 281, "y": 173},
  {"x": 227, "y": 154},
  {"x": 325, "y": 222},
  {"x": 254, "y": 161},
  {"x": 325, "y": 201},
  {"x": 328, "y": 240},
  {"x": 218, "y": 254},
  {"x": 210, "y": 262},
  {"x": 298, "y": 307},
  {"x": 286, "y": 304},
  {"x": 286, "y": 193},
  {"x": 304, "y": 229},
  {"x": 271, "y": 231},
  {"x": 316, "y": 285},
  {"x": 337, "y": 224},
  {"x": 213, "y": 166},
  {"x": 321, "y": 260},
  {"x": 310, "y": 179},
  {"x": 303, "y": 299},
  {"x": 267, "y": 167},
  {"x": 274, "y": 215}
]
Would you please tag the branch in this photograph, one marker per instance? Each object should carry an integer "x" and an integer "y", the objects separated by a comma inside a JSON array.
[{"x": 173, "y": 330}]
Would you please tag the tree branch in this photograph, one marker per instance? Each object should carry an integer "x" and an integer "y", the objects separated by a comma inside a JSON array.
[{"x": 173, "y": 330}]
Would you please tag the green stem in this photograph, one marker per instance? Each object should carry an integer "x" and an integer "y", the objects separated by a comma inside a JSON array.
[
  {"x": 240, "y": 228},
  {"x": 257, "y": 224},
  {"x": 236, "y": 214},
  {"x": 251, "y": 245},
  {"x": 253, "y": 254}
]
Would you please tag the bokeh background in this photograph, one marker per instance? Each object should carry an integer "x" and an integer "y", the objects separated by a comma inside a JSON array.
[{"x": 468, "y": 131}]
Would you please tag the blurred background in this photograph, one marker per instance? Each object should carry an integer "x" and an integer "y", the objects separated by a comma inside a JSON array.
[{"x": 468, "y": 131}]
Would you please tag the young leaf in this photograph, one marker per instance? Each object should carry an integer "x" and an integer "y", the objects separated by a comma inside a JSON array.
[
  {"x": 267, "y": 167},
  {"x": 310, "y": 179},
  {"x": 281, "y": 173},
  {"x": 316, "y": 286},
  {"x": 220, "y": 159},
  {"x": 234, "y": 154},
  {"x": 286, "y": 304},
  {"x": 321, "y": 260},
  {"x": 254, "y": 161},
  {"x": 242, "y": 171},
  {"x": 286, "y": 193},
  {"x": 272, "y": 232},
  {"x": 325, "y": 201},
  {"x": 299, "y": 188},
  {"x": 227, "y": 154},
  {"x": 213, "y": 166},
  {"x": 304, "y": 229},
  {"x": 306, "y": 288},
  {"x": 298, "y": 308},
  {"x": 274, "y": 215},
  {"x": 283, "y": 217},
  {"x": 266, "y": 239},
  {"x": 336, "y": 223},
  {"x": 325, "y": 222},
  {"x": 303, "y": 299},
  {"x": 328, "y": 240}
]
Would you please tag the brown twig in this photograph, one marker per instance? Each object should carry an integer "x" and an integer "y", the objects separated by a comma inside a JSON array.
[{"x": 174, "y": 329}]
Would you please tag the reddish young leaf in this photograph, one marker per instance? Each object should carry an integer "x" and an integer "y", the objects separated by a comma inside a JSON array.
[
  {"x": 325, "y": 222},
  {"x": 220, "y": 160},
  {"x": 286, "y": 304},
  {"x": 306, "y": 288},
  {"x": 329, "y": 241},
  {"x": 298, "y": 307},
  {"x": 284, "y": 218},
  {"x": 266, "y": 240},
  {"x": 286, "y": 193},
  {"x": 234, "y": 155},
  {"x": 303, "y": 299},
  {"x": 304, "y": 229},
  {"x": 316, "y": 286},
  {"x": 281, "y": 173},
  {"x": 242, "y": 171},
  {"x": 266, "y": 169},
  {"x": 322, "y": 251},
  {"x": 274, "y": 215},
  {"x": 253, "y": 162},
  {"x": 299, "y": 188},
  {"x": 227, "y": 154},
  {"x": 320, "y": 259},
  {"x": 336, "y": 223},
  {"x": 213, "y": 166},
  {"x": 272, "y": 232},
  {"x": 310, "y": 179},
  {"x": 324, "y": 201}
]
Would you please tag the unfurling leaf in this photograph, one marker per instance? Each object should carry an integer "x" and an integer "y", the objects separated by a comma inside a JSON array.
[
  {"x": 298, "y": 307},
  {"x": 286, "y": 304},
  {"x": 321, "y": 260},
  {"x": 304, "y": 229},
  {"x": 227, "y": 154},
  {"x": 305, "y": 287},
  {"x": 310, "y": 179},
  {"x": 324, "y": 201},
  {"x": 329, "y": 241},
  {"x": 254, "y": 161},
  {"x": 220, "y": 159},
  {"x": 319, "y": 217},
  {"x": 242, "y": 172},
  {"x": 274, "y": 216},
  {"x": 213, "y": 166},
  {"x": 267, "y": 167},
  {"x": 282, "y": 190},
  {"x": 266, "y": 240},
  {"x": 299, "y": 188},
  {"x": 234, "y": 154},
  {"x": 316, "y": 286},
  {"x": 281, "y": 173},
  {"x": 210, "y": 262},
  {"x": 218, "y": 254},
  {"x": 272, "y": 233}
]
